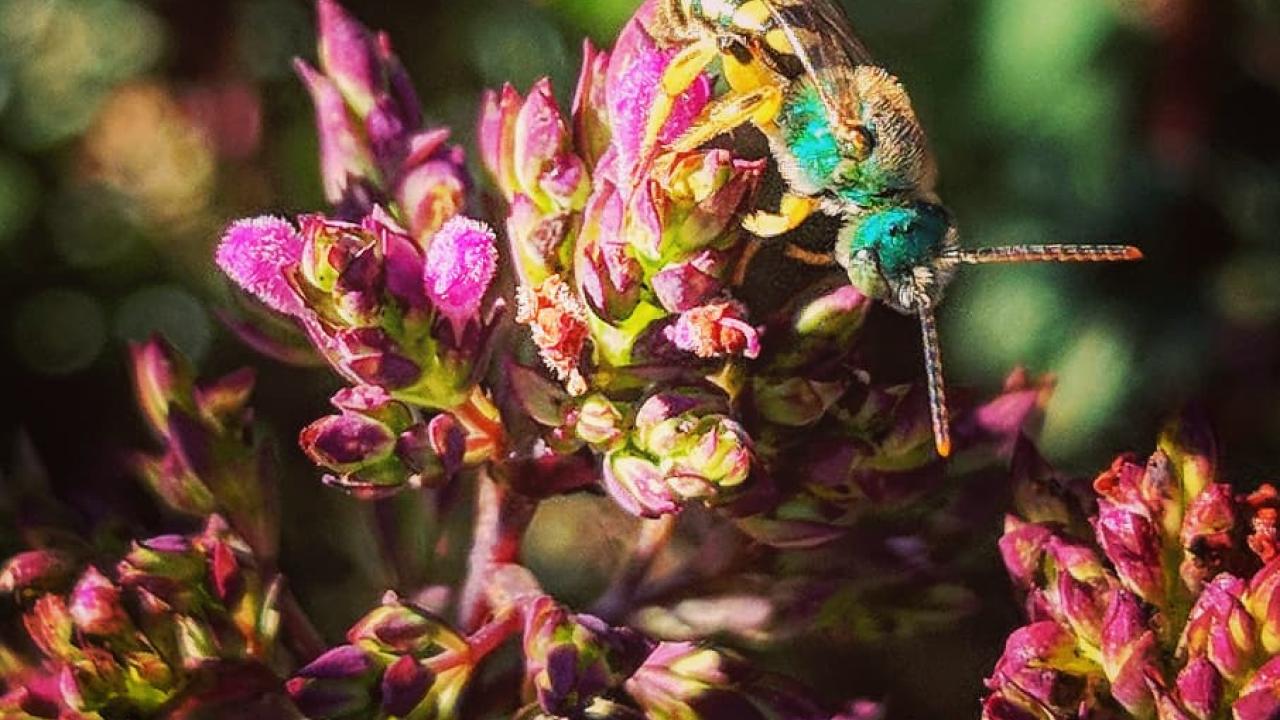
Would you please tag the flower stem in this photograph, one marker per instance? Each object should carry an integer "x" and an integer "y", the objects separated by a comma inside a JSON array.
[
  {"x": 501, "y": 519},
  {"x": 650, "y": 541},
  {"x": 480, "y": 644},
  {"x": 303, "y": 640}
]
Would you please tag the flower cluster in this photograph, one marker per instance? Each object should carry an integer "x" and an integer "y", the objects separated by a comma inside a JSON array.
[
  {"x": 211, "y": 464},
  {"x": 180, "y": 620},
  {"x": 1155, "y": 605},
  {"x": 391, "y": 289}
]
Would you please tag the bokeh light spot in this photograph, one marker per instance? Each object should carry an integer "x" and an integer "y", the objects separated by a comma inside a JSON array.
[
  {"x": 18, "y": 197},
  {"x": 59, "y": 331},
  {"x": 1095, "y": 374},
  {"x": 1245, "y": 288},
  {"x": 169, "y": 311}
]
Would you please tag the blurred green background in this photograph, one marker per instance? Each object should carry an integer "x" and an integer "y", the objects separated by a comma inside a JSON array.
[{"x": 131, "y": 131}]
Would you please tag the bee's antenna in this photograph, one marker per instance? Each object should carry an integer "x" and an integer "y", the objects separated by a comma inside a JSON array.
[
  {"x": 933, "y": 371},
  {"x": 1042, "y": 253}
]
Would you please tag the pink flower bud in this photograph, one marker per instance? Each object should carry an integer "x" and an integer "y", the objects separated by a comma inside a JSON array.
[
  {"x": 1259, "y": 699},
  {"x": 95, "y": 605},
  {"x": 1132, "y": 545},
  {"x": 1200, "y": 688},
  {"x": 347, "y": 165},
  {"x": 591, "y": 132},
  {"x": 1128, "y": 652}
]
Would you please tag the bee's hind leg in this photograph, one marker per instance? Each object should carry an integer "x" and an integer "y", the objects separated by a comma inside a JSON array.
[
  {"x": 792, "y": 210},
  {"x": 678, "y": 76},
  {"x": 758, "y": 106}
]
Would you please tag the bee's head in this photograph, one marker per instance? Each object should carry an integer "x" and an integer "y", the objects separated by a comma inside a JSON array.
[
  {"x": 882, "y": 144},
  {"x": 894, "y": 252}
]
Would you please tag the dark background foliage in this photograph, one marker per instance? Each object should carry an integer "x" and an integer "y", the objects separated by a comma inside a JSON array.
[{"x": 131, "y": 131}]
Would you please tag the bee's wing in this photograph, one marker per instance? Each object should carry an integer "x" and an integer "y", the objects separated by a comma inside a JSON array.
[
  {"x": 823, "y": 32},
  {"x": 822, "y": 37}
]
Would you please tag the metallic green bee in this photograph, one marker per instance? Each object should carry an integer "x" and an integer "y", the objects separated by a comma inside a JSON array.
[{"x": 847, "y": 142}]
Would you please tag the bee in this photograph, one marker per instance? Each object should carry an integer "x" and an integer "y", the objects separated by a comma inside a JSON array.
[{"x": 847, "y": 143}]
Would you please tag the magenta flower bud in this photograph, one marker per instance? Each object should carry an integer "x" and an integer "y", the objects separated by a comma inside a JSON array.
[
  {"x": 1207, "y": 535},
  {"x": 1220, "y": 628},
  {"x": 591, "y": 132},
  {"x": 433, "y": 451},
  {"x": 570, "y": 659},
  {"x": 1263, "y": 601},
  {"x": 607, "y": 275},
  {"x": 1132, "y": 545},
  {"x": 461, "y": 263},
  {"x": 400, "y": 628},
  {"x": 257, "y": 253},
  {"x": 434, "y": 188},
  {"x": 342, "y": 270},
  {"x": 404, "y": 685},
  {"x": 1128, "y": 652},
  {"x": 1022, "y": 547},
  {"x": 598, "y": 421},
  {"x": 337, "y": 684},
  {"x": 689, "y": 283},
  {"x": 36, "y": 571},
  {"x": 1200, "y": 688},
  {"x": 50, "y": 626},
  {"x": 346, "y": 442},
  {"x": 545, "y": 167},
  {"x": 372, "y": 357},
  {"x": 161, "y": 376},
  {"x": 95, "y": 605},
  {"x": 496, "y": 136},
  {"x": 1080, "y": 602},
  {"x": 1259, "y": 699},
  {"x": 1039, "y": 669},
  {"x": 348, "y": 54},
  {"x": 716, "y": 330},
  {"x": 1002, "y": 420},
  {"x": 347, "y": 165},
  {"x": 638, "y": 485}
]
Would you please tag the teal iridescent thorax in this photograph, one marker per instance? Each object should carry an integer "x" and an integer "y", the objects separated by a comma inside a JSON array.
[
  {"x": 807, "y": 136},
  {"x": 901, "y": 238}
]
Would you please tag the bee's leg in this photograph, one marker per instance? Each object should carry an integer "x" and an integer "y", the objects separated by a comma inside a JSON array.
[
  {"x": 793, "y": 251},
  {"x": 808, "y": 257},
  {"x": 792, "y": 210},
  {"x": 742, "y": 71},
  {"x": 731, "y": 111},
  {"x": 679, "y": 75}
]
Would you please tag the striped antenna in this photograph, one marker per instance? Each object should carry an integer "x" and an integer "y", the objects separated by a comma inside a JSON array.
[
  {"x": 1042, "y": 253},
  {"x": 933, "y": 371}
]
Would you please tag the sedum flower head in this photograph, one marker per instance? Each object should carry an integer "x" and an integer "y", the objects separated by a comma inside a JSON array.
[
  {"x": 177, "y": 616},
  {"x": 399, "y": 661},
  {"x": 1164, "y": 611}
]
